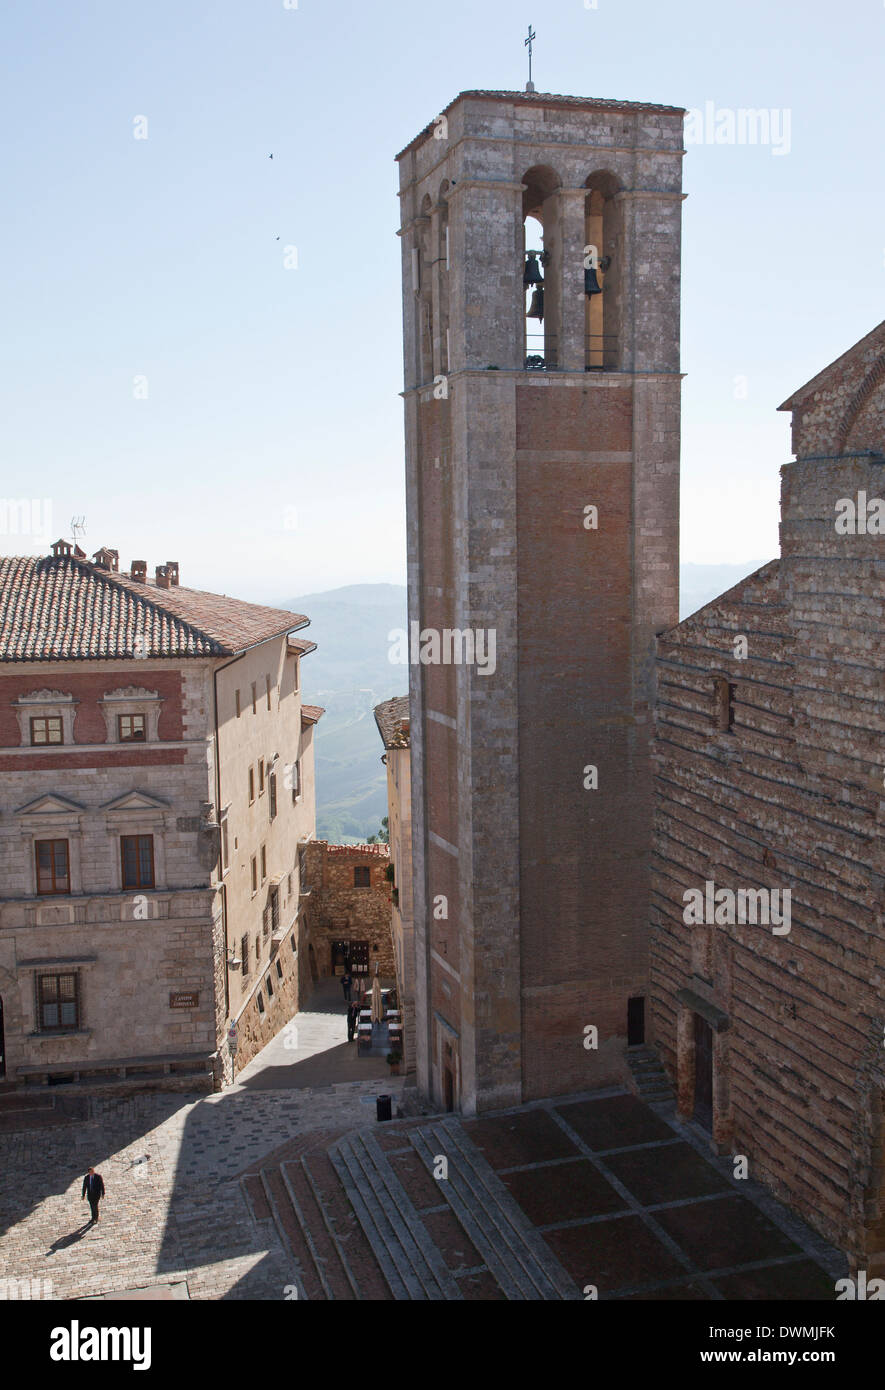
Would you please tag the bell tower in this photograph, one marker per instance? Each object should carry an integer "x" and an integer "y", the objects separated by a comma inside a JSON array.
[{"x": 542, "y": 497}]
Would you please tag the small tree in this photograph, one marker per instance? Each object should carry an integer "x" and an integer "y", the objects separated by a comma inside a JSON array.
[{"x": 383, "y": 836}]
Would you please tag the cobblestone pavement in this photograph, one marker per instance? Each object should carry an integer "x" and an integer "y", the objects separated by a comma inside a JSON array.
[{"x": 174, "y": 1209}]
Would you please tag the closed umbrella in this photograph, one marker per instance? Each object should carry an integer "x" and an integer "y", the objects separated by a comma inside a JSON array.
[{"x": 377, "y": 1006}]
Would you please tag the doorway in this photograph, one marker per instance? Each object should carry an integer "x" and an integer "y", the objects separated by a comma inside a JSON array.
[
  {"x": 448, "y": 1089},
  {"x": 703, "y": 1073},
  {"x": 636, "y": 1021}
]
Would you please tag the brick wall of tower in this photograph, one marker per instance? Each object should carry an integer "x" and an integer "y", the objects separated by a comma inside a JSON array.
[{"x": 547, "y": 882}]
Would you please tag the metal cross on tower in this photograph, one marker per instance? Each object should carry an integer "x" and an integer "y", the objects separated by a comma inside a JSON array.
[{"x": 530, "y": 86}]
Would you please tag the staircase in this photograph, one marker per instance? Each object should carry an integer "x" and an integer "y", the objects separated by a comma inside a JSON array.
[
  {"x": 650, "y": 1081},
  {"x": 356, "y": 1233}
]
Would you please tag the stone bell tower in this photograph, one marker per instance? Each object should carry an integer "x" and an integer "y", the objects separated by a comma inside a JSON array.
[{"x": 542, "y": 496}]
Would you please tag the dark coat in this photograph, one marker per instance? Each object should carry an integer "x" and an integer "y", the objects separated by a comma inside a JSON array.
[{"x": 93, "y": 1187}]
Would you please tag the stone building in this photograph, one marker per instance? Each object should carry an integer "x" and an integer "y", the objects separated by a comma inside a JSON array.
[
  {"x": 767, "y": 943},
  {"x": 347, "y": 903},
  {"x": 542, "y": 512},
  {"x": 392, "y": 718},
  {"x": 156, "y": 775}
]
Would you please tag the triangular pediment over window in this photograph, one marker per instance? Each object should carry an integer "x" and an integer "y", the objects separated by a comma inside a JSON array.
[
  {"x": 136, "y": 801},
  {"x": 51, "y": 805}
]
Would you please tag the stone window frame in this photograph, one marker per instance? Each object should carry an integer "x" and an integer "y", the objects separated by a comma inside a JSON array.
[
  {"x": 53, "y": 892},
  {"x": 132, "y": 699},
  {"x": 56, "y": 825},
  {"x": 48, "y": 704},
  {"x": 55, "y": 973},
  {"x": 141, "y": 821}
]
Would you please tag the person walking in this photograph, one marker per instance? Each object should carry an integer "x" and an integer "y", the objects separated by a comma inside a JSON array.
[
  {"x": 93, "y": 1188},
  {"x": 346, "y": 982}
]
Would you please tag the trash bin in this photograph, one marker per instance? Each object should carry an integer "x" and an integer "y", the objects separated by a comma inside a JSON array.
[{"x": 382, "y": 1108}]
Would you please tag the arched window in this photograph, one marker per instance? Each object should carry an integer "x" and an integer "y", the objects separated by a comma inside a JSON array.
[
  {"x": 541, "y": 268},
  {"x": 443, "y": 260},
  {"x": 603, "y": 242}
]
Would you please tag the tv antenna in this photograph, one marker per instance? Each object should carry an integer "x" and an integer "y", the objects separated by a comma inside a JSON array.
[{"x": 78, "y": 528}]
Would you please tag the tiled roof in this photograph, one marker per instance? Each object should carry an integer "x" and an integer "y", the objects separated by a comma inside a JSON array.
[
  {"x": 360, "y": 850},
  {"x": 389, "y": 716},
  {"x": 59, "y": 608},
  {"x": 545, "y": 99},
  {"x": 311, "y": 713},
  {"x": 301, "y": 646}
]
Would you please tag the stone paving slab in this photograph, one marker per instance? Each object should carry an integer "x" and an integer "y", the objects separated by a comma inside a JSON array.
[{"x": 174, "y": 1211}]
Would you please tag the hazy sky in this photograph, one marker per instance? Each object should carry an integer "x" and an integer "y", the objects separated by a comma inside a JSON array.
[{"x": 267, "y": 454}]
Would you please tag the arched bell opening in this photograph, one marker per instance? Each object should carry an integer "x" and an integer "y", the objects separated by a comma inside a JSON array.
[
  {"x": 541, "y": 269},
  {"x": 603, "y": 269},
  {"x": 443, "y": 260},
  {"x": 423, "y": 286}
]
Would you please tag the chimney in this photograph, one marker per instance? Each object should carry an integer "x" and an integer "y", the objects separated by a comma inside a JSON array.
[
  {"x": 138, "y": 571},
  {"x": 106, "y": 559},
  {"x": 172, "y": 571},
  {"x": 161, "y": 578}
]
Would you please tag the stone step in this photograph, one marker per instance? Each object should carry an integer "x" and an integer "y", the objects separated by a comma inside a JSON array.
[
  {"x": 430, "y": 1260},
  {"x": 521, "y": 1263},
  {"x": 331, "y": 1269},
  {"x": 355, "y": 1252},
  {"x": 15, "y": 1101},
  {"x": 409, "y": 1259},
  {"x": 310, "y": 1286}
]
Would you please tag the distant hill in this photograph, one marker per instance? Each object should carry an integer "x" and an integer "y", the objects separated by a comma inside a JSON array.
[{"x": 351, "y": 672}]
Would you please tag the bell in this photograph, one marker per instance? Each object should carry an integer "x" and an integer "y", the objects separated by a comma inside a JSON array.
[
  {"x": 536, "y": 308},
  {"x": 532, "y": 273},
  {"x": 591, "y": 284}
]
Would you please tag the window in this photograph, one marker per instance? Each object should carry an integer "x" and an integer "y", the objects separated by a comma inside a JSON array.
[
  {"x": 362, "y": 877},
  {"x": 137, "y": 858},
  {"x": 292, "y": 942},
  {"x": 46, "y": 730},
  {"x": 244, "y": 954},
  {"x": 131, "y": 728},
  {"x": 258, "y": 948},
  {"x": 296, "y": 780},
  {"x": 263, "y": 863},
  {"x": 279, "y": 971},
  {"x": 58, "y": 1002},
  {"x": 254, "y": 696},
  {"x": 289, "y": 884},
  {"x": 254, "y": 874},
  {"x": 53, "y": 868},
  {"x": 297, "y": 675},
  {"x": 724, "y": 704},
  {"x": 274, "y": 909},
  {"x": 251, "y": 785},
  {"x": 225, "y": 847},
  {"x": 265, "y": 922},
  {"x": 261, "y": 777},
  {"x": 268, "y": 985},
  {"x": 260, "y": 1002},
  {"x": 267, "y": 687},
  {"x": 237, "y": 702},
  {"x": 272, "y": 795}
]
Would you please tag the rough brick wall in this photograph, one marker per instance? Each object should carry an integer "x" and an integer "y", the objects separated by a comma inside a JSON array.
[
  {"x": 792, "y": 799},
  {"x": 336, "y": 910}
]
